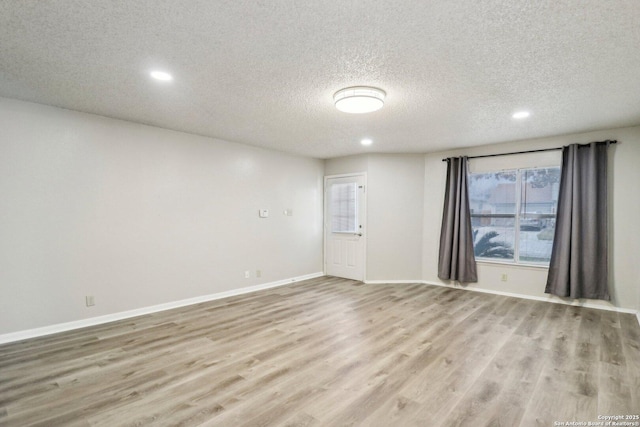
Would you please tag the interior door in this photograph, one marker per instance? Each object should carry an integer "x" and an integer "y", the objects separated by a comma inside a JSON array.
[{"x": 345, "y": 215}]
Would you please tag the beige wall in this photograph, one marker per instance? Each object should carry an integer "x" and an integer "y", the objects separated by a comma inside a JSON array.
[
  {"x": 138, "y": 216},
  {"x": 347, "y": 164},
  {"x": 395, "y": 191},
  {"x": 394, "y": 216},
  {"x": 624, "y": 178},
  {"x": 404, "y": 225}
]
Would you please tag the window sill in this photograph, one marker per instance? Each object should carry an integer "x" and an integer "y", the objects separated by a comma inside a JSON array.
[{"x": 513, "y": 264}]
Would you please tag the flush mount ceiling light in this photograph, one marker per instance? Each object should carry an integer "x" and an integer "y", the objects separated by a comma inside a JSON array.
[
  {"x": 521, "y": 115},
  {"x": 359, "y": 99},
  {"x": 161, "y": 75},
  {"x": 366, "y": 141}
]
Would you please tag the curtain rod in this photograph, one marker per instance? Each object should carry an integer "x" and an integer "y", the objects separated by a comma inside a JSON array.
[{"x": 529, "y": 151}]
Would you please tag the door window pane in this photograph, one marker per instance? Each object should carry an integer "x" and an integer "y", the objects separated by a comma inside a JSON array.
[{"x": 343, "y": 208}]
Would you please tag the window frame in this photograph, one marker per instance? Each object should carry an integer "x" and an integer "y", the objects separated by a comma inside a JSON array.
[
  {"x": 355, "y": 217},
  {"x": 516, "y": 216}
]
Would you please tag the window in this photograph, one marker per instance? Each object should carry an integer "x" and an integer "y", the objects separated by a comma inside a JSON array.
[
  {"x": 343, "y": 207},
  {"x": 513, "y": 214}
]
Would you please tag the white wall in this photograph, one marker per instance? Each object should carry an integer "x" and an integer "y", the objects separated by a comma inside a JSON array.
[
  {"x": 347, "y": 164},
  {"x": 624, "y": 201},
  {"x": 395, "y": 191},
  {"x": 404, "y": 227},
  {"x": 394, "y": 216},
  {"x": 138, "y": 216}
]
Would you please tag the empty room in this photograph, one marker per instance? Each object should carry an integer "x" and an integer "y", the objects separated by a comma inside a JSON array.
[{"x": 319, "y": 213}]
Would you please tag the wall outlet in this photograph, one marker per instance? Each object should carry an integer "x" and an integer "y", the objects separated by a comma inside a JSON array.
[
  {"x": 503, "y": 277},
  {"x": 258, "y": 273},
  {"x": 247, "y": 274},
  {"x": 90, "y": 300},
  {"x": 263, "y": 213}
]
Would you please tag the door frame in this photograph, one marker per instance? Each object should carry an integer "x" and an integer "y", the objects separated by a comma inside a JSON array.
[{"x": 325, "y": 218}]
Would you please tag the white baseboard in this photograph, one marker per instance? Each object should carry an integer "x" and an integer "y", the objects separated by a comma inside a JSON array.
[
  {"x": 92, "y": 321},
  {"x": 62, "y": 327},
  {"x": 394, "y": 282},
  {"x": 550, "y": 299}
]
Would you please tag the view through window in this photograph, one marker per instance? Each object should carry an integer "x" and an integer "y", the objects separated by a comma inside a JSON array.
[{"x": 513, "y": 214}]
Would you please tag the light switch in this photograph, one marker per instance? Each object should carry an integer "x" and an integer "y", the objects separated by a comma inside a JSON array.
[{"x": 264, "y": 213}]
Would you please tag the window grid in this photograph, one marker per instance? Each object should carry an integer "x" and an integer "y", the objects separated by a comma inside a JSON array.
[
  {"x": 344, "y": 210},
  {"x": 533, "y": 196}
]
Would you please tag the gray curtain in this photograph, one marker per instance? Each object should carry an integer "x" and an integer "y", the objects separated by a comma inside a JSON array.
[
  {"x": 456, "y": 260},
  {"x": 579, "y": 267}
]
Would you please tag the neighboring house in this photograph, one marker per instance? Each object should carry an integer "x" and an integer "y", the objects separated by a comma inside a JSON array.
[{"x": 501, "y": 199}]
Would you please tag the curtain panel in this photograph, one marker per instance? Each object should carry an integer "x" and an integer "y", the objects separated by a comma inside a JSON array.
[
  {"x": 456, "y": 260},
  {"x": 579, "y": 257}
]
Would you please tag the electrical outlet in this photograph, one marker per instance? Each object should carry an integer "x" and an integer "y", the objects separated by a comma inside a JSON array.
[
  {"x": 90, "y": 300},
  {"x": 247, "y": 274},
  {"x": 258, "y": 273},
  {"x": 504, "y": 277}
]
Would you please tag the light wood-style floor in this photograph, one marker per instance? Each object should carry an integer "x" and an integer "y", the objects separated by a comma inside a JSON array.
[{"x": 332, "y": 352}]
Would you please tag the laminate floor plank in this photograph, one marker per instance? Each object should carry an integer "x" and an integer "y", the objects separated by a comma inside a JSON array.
[
  {"x": 571, "y": 386},
  {"x": 631, "y": 348},
  {"x": 266, "y": 375},
  {"x": 500, "y": 394},
  {"x": 292, "y": 365},
  {"x": 442, "y": 357},
  {"x": 331, "y": 351},
  {"x": 611, "y": 344}
]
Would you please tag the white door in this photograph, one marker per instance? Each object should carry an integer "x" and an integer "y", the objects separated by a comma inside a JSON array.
[{"x": 344, "y": 225}]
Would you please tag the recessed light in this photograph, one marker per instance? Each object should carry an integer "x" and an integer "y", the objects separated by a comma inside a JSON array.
[
  {"x": 366, "y": 141},
  {"x": 521, "y": 115},
  {"x": 161, "y": 75},
  {"x": 359, "y": 99}
]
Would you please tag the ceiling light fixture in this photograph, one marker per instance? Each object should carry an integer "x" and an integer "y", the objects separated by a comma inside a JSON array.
[
  {"x": 161, "y": 75},
  {"x": 366, "y": 141},
  {"x": 521, "y": 115},
  {"x": 359, "y": 99}
]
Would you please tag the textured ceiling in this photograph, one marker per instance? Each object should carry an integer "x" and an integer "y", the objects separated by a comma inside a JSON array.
[{"x": 264, "y": 72}]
